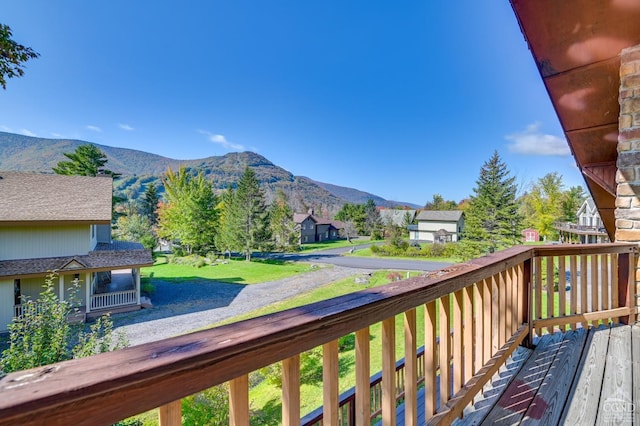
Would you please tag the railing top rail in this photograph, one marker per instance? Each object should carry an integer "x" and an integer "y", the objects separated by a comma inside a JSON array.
[
  {"x": 583, "y": 249},
  {"x": 119, "y": 384}
]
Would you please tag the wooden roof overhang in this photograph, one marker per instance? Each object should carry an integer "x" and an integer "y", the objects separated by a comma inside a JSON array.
[{"x": 576, "y": 46}]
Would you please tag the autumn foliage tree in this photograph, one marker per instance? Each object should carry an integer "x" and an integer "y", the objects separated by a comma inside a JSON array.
[
  {"x": 189, "y": 215},
  {"x": 13, "y": 55}
]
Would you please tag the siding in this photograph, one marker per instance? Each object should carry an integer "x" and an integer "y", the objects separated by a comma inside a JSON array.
[{"x": 27, "y": 242}]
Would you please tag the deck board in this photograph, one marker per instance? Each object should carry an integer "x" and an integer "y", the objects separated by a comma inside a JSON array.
[
  {"x": 554, "y": 389},
  {"x": 617, "y": 396},
  {"x": 582, "y": 405},
  {"x": 512, "y": 406}
]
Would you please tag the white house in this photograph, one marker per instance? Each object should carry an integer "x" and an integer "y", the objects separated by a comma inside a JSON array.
[
  {"x": 63, "y": 223},
  {"x": 437, "y": 226}
]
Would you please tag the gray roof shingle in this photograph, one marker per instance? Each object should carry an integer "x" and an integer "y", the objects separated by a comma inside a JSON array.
[
  {"x": 38, "y": 197},
  {"x": 440, "y": 215}
]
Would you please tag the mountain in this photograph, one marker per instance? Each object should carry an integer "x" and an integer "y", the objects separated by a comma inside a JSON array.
[{"x": 139, "y": 168}]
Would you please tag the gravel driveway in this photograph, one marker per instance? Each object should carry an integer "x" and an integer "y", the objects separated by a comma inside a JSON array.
[{"x": 179, "y": 308}]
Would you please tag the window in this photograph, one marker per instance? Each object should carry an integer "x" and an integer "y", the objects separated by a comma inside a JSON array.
[{"x": 17, "y": 293}]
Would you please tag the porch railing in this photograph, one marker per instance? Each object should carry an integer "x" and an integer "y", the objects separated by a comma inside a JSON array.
[
  {"x": 19, "y": 310},
  {"x": 489, "y": 306},
  {"x": 113, "y": 299}
]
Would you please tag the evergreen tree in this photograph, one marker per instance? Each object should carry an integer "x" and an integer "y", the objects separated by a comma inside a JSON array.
[
  {"x": 225, "y": 235},
  {"x": 355, "y": 214},
  {"x": 86, "y": 160},
  {"x": 282, "y": 225},
  {"x": 246, "y": 219},
  {"x": 12, "y": 56},
  {"x": 189, "y": 215},
  {"x": 373, "y": 222},
  {"x": 149, "y": 204},
  {"x": 492, "y": 216}
]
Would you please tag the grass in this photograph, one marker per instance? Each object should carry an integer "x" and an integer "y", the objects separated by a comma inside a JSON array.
[
  {"x": 234, "y": 271},
  {"x": 324, "y": 245}
]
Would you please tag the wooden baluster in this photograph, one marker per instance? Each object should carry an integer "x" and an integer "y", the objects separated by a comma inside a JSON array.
[
  {"x": 562, "y": 290},
  {"x": 526, "y": 308},
  {"x": 595, "y": 305},
  {"x": 495, "y": 315},
  {"x": 363, "y": 392},
  {"x": 170, "y": 414},
  {"x": 614, "y": 284},
  {"x": 389, "y": 371},
  {"x": 631, "y": 301},
  {"x": 239, "y": 401},
  {"x": 583, "y": 287},
  {"x": 467, "y": 349},
  {"x": 291, "y": 391},
  {"x": 445, "y": 349},
  {"x": 550, "y": 283},
  {"x": 330, "y": 383},
  {"x": 502, "y": 300},
  {"x": 487, "y": 301},
  {"x": 573, "y": 296},
  {"x": 410, "y": 369},
  {"x": 538, "y": 293},
  {"x": 605, "y": 282},
  {"x": 626, "y": 277},
  {"x": 430, "y": 354},
  {"x": 478, "y": 314},
  {"x": 457, "y": 341},
  {"x": 508, "y": 282}
]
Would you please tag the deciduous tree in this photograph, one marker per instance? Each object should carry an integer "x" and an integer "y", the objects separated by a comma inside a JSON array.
[
  {"x": 283, "y": 228},
  {"x": 439, "y": 203},
  {"x": 13, "y": 55},
  {"x": 189, "y": 215}
]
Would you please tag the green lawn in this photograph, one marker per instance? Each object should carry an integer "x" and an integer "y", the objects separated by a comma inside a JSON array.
[
  {"x": 324, "y": 245},
  {"x": 234, "y": 271}
]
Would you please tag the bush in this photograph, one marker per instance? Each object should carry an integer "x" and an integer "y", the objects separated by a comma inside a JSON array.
[{"x": 209, "y": 407}]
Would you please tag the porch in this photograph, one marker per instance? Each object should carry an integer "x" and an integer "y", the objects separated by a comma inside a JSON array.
[
  {"x": 107, "y": 291},
  {"x": 489, "y": 307}
]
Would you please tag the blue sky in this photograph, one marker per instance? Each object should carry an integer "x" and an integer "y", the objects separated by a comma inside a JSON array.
[{"x": 400, "y": 99}]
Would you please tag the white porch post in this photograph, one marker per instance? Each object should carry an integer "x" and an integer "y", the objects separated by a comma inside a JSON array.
[
  {"x": 88, "y": 288},
  {"x": 136, "y": 273},
  {"x": 61, "y": 288}
]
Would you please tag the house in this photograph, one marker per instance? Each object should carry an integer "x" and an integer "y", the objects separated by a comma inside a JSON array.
[
  {"x": 437, "y": 226},
  {"x": 589, "y": 229},
  {"x": 63, "y": 223},
  {"x": 315, "y": 229},
  {"x": 397, "y": 217}
]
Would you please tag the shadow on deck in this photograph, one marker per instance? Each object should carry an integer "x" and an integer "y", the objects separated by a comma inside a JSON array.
[{"x": 580, "y": 377}]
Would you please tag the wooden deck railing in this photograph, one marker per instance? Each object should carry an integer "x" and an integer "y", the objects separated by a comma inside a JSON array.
[{"x": 488, "y": 306}]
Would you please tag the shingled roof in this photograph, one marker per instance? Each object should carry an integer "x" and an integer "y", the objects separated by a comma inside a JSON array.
[
  {"x": 103, "y": 259},
  {"x": 37, "y": 197},
  {"x": 440, "y": 215}
]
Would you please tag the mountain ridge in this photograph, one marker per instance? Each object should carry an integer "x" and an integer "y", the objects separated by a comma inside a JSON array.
[{"x": 138, "y": 168}]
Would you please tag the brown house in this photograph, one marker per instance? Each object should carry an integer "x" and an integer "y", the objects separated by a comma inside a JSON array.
[{"x": 315, "y": 229}]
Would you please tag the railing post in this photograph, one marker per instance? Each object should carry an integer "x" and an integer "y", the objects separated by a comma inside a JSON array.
[
  {"x": 363, "y": 389},
  {"x": 330, "y": 382},
  {"x": 623, "y": 284},
  {"x": 239, "y": 401},
  {"x": 526, "y": 302},
  {"x": 170, "y": 414},
  {"x": 291, "y": 391}
]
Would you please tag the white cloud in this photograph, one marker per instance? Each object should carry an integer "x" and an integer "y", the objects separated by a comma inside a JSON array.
[
  {"x": 27, "y": 132},
  {"x": 94, "y": 128},
  {"x": 5, "y": 128},
  {"x": 531, "y": 141},
  {"x": 222, "y": 141},
  {"x": 56, "y": 135},
  {"x": 125, "y": 127}
]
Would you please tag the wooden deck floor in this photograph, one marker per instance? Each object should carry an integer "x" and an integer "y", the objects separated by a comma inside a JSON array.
[{"x": 583, "y": 377}]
